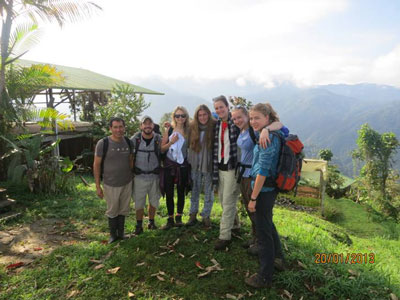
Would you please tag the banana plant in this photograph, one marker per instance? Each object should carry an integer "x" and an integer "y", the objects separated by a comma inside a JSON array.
[{"x": 32, "y": 159}]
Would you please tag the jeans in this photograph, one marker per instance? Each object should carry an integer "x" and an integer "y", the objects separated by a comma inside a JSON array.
[
  {"x": 197, "y": 177},
  {"x": 245, "y": 188},
  {"x": 268, "y": 238}
]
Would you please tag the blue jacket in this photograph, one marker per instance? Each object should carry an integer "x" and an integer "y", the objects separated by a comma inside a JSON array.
[{"x": 265, "y": 161}]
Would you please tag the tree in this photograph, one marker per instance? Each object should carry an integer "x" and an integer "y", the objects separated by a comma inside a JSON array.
[
  {"x": 326, "y": 154},
  {"x": 123, "y": 103},
  {"x": 335, "y": 180},
  {"x": 240, "y": 101},
  {"x": 13, "y": 13},
  {"x": 377, "y": 152},
  {"x": 166, "y": 117}
]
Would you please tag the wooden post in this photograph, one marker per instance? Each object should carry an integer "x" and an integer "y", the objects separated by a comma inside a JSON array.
[
  {"x": 322, "y": 185},
  {"x": 74, "y": 107}
]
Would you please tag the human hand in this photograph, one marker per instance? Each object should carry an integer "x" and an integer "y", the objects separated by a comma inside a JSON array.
[
  {"x": 174, "y": 138},
  {"x": 264, "y": 138},
  {"x": 99, "y": 192},
  {"x": 167, "y": 125},
  {"x": 252, "y": 206}
]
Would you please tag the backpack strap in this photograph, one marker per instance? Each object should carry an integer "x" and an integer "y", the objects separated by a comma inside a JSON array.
[
  {"x": 170, "y": 131},
  {"x": 253, "y": 135},
  {"x": 128, "y": 141},
  {"x": 136, "y": 139},
  {"x": 157, "y": 147},
  {"x": 105, "y": 149}
]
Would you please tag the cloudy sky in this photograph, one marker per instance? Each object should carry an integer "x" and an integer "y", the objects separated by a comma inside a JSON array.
[{"x": 307, "y": 41}]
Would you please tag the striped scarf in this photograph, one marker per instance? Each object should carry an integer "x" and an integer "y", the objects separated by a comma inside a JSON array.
[{"x": 233, "y": 136}]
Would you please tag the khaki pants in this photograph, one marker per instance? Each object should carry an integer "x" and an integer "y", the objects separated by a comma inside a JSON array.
[
  {"x": 118, "y": 199},
  {"x": 228, "y": 193}
]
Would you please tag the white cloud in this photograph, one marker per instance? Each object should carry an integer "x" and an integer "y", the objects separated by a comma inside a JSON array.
[
  {"x": 386, "y": 68},
  {"x": 177, "y": 38},
  {"x": 249, "y": 40}
]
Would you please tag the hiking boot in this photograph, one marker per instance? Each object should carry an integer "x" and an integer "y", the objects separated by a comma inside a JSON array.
[
  {"x": 138, "y": 230},
  {"x": 169, "y": 225},
  {"x": 207, "y": 222},
  {"x": 249, "y": 243},
  {"x": 178, "y": 221},
  {"x": 279, "y": 264},
  {"x": 253, "y": 250},
  {"x": 235, "y": 231},
  {"x": 152, "y": 226},
  {"x": 113, "y": 226},
  {"x": 192, "y": 220},
  {"x": 257, "y": 282},
  {"x": 121, "y": 227},
  {"x": 221, "y": 244}
]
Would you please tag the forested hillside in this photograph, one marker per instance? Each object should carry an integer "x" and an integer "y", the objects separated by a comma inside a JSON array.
[{"x": 326, "y": 116}]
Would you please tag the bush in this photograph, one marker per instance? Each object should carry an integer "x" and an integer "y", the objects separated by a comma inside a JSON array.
[{"x": 332, "y": 214}]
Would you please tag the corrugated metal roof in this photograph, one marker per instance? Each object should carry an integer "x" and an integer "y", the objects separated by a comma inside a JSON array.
[{"x": 81, "y": 79}]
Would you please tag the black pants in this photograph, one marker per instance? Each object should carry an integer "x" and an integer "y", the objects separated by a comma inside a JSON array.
[
  {"x": 169, "y": 182},
  {"x": 268, "y": 238}
]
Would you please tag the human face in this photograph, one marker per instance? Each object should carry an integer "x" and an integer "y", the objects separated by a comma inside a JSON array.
[
  {"x": 240, "y": 119},
  {"x": 222, "y": 110},
  {"x": 202, "y": 116},
  {"x": 117, "y": 129},
  {"x": 258, "y": 121},
  {"x": 180, "y": 117},
  {"x": 147, "y": 127}
]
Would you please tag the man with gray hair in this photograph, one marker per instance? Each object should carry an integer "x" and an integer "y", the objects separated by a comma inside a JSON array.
[
  {"x": 113, "y": 161},
  {"x": 147, "y": 146}
]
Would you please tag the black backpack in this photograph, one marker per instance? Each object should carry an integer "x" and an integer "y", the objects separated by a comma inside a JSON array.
[{"x": 105, "y": 149}]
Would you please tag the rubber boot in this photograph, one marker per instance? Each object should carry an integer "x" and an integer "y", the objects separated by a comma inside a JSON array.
[
  {"x": 113, "y": 225},
  {"x": 121, "y": 227}
]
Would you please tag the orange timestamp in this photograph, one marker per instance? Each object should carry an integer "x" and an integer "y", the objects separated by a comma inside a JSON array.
[{"x": 347, "y": 258}]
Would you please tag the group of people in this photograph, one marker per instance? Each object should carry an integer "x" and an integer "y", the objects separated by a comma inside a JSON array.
[{"x": 235, "y": 152}]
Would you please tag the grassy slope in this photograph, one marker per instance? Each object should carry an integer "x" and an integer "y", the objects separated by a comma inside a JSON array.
[{"x": 68, "y": 268}]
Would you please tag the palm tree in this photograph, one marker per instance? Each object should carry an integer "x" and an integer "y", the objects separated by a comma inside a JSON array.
[{"x": 12, "y": 11}]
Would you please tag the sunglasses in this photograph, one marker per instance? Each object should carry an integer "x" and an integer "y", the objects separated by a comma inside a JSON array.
[{"x": 180, "y": 116}]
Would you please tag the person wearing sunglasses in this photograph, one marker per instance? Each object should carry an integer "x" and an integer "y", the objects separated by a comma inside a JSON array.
[{"x": 176, "y": 167}]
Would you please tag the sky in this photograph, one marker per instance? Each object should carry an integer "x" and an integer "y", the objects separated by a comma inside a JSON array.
[{"x": 309, "y": 42}]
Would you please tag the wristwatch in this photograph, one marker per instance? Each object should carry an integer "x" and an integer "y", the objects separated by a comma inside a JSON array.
[{"x": 251, "y": 199}]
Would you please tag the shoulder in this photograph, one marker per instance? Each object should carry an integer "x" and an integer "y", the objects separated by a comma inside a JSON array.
[
  {"x": 157, "y": 137},
  {"x": 135, "y": 137}
]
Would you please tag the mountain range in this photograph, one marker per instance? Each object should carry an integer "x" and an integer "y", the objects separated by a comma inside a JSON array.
[{"x": 324, "y": 116}]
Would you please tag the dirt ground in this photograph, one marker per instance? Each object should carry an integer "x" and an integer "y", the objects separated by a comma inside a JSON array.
[{"x": 25, "y": 243}]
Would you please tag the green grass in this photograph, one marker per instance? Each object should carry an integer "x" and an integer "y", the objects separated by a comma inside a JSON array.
[{"x": 303, "y": 235}]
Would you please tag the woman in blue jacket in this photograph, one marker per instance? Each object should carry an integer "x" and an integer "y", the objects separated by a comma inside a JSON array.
[{"x": 263, "y": 197}]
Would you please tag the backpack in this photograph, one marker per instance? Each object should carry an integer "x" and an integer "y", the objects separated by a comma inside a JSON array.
[
  {"x": 105, "y": 149},
  {"x": 157, "y": 142},
  {"x": 289, "y": 164}
]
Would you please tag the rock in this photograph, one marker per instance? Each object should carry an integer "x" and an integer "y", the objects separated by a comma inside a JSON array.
[{"x": 6, "y": 238}]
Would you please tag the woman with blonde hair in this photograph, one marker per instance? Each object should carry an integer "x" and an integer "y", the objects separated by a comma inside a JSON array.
[
  {"x": 263, "y": 197},
  {"x": 201, "y": 137},
  {"x": 176, "y": 167}
]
